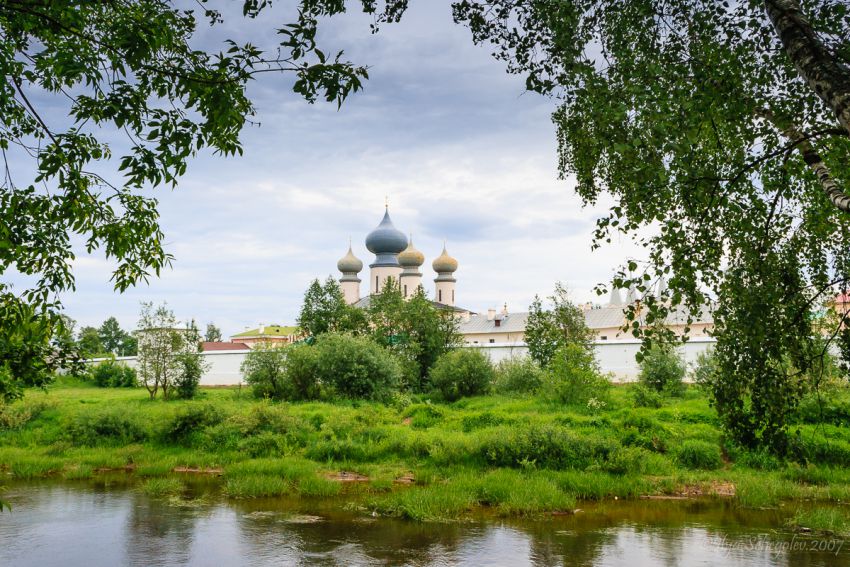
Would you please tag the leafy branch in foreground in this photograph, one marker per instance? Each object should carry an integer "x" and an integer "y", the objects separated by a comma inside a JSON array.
[{"x": 127, "y": 67}]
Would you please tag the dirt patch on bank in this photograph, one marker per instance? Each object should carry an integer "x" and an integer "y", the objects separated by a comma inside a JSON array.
[
  {"x": 718, "y": 488},
  {"x": 345, "y": 476},
  {"x": 193, "y": 470}
]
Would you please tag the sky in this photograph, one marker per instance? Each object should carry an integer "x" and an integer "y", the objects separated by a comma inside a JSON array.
[{"x": 455, "y": 145}]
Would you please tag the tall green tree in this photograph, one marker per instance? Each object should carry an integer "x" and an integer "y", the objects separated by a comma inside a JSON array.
[
  {"x": 550, "y": 327},
  {"x": 413, "y": 328},
  {"x": 325, "y": 311},
  {"x": 212, "y": 334},
  {"x": 127, "y": 67},
  {"x": 721, "y": 130},
  {"x": 112, "y": 336},
  {"x": 89, "y": 342}
]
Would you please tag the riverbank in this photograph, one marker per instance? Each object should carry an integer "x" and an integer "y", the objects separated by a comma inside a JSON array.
[{"x": 419, "y": 459}]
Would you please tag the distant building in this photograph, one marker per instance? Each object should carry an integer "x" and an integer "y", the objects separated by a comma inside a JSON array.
[
  {"x": 398, "y": 260},
  {"x": 606, "y": 322},
  {"x": 268, "y": 334}
]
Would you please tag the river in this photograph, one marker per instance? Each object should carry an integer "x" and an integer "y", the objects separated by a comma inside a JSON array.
[{"x": 110, "y": 523}]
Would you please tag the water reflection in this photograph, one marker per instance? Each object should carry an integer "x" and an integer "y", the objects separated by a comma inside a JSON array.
[{"x": 112, "y": 524}]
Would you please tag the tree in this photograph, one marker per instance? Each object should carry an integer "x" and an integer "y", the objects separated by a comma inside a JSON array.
[
  {"x": 722, "y": 133},
  {"x": 213, "y": 333},
  {"x": 414, "y": 329},
  {"x": 191, "y": 363},
  {"x": 89, "y": 342},
  {"x": 562, "y": 324},
  {"x": 160, "y": 344},
  {"x": 127, "y": 67},
  {"x": 112, "y": 336},
  {"x": 325, "y": 311},
  {"x": 28, "y": 356}
]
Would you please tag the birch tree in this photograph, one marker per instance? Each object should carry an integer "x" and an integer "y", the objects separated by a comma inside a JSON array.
[{"x": 721, "y": 132}]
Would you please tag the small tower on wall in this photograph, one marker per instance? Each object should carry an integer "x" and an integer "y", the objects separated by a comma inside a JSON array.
[
  {"x": 445, "y": 266},
  {"x": 350, "y": 266},
  {"x": 411, "y": 260}
]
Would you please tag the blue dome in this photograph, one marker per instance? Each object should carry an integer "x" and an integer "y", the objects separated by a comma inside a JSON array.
[{"x": 386, "y": 239}]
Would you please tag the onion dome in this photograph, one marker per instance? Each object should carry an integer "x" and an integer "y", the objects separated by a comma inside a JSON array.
[
  {"x": 410, "y": 257},
  {"x": 386, "y": 238},
  {"x": 349, "y": 264},
  {"x": 444, "y": 263}
]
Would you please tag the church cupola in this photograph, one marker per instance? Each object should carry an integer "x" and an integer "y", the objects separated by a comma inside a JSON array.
[
  {"x": 410, "y": 260},
  {"x": 445, "y": 266},
  {"x": 350, "y": 266},
  {"x": 385, "y": 242}
]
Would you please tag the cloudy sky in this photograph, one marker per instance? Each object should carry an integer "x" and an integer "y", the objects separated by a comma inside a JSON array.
[{"x": 455, "y": 144}]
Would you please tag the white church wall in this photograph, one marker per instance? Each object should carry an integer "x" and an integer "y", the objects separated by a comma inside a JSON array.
[{"x": 615, "y": 357}]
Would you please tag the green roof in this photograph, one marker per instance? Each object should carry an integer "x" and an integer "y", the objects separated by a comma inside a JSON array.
[{"x": 269, "y": 331}]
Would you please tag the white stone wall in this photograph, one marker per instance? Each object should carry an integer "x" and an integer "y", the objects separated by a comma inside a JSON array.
[{"x": 615, "y": 357}]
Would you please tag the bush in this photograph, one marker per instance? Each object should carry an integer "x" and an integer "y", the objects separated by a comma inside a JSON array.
[
  {"x": 356, "y": 367},
  {"x": 706, "y": 370},
  {"x": 113, "y": 374},
  {"x": 644, "y": 397},
  {"x": 544, "y": 447},
  {"x": 695, "y": 454},
  {"x": 192, "y": 367},
  {"x": 189, "y": 420},
  {"x": 264, "y": 370},
  {"x": 518, "y": 375},
  {"x": 462, "y": 372},
  {"x": 573, "y": 377},
  {"x": 663, "y": 370},
  {"x": 301, "y": 375},
  {"x": 110, "y": 427}
]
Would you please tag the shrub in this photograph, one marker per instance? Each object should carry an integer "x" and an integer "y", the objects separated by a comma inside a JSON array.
[
  {"x": 695, "y": 454},
  {"x": 543, "y": 447},
  {"x": 189, "y": 420},
  {"x": 663, "y": 370},
  {"x": 111, "y": 426},
  {"x": 263, "y": 370},
  {"x": 645, "y": 397},
  {"x": 113, "y": 374},
  {"x": 462, "y": 372},
  {"x": 301, "y": 375},
  {"x": 573, "y": 376},
  {"x": 518, "y": 375},
  {"x": 192, "y": 367},
  {"x": 265, "y": 444},
  {"x": 706, "y": 370},
  {"x": 357, "y": 367}
]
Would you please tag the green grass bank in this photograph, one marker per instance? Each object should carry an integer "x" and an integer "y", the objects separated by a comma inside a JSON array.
[{"x": 420, "y": 459}]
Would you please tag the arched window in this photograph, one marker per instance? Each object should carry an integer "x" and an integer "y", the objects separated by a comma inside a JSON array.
[
  {"x": 405, "y": 290},
  {"x": 440, "y": 296}
]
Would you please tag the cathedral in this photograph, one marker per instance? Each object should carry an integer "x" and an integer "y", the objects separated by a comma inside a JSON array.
[{"x": 396, "y": 259}]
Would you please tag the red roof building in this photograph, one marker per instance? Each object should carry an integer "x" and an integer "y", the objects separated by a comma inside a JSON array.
[{"x": 208, "y": 346}]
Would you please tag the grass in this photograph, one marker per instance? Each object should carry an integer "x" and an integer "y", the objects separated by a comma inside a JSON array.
[
  {"x": 509, "y": 455},
  {"x": 828, "y": 521}
]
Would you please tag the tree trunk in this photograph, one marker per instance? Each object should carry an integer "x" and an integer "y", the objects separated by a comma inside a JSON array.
[{"x": 817, "y": 66}]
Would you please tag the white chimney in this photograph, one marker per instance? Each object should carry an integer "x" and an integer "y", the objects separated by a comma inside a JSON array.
[
  {"x": 491, "y": 313},
  {"x": 262, "y": 329}
]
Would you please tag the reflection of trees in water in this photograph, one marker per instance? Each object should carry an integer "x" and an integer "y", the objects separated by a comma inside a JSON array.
[
  {"x": 349, "y": 540},
  {"x": 159, "y": 533}
]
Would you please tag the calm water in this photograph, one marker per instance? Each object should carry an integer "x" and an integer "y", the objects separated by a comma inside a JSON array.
[{"x": 110, "y": 524}]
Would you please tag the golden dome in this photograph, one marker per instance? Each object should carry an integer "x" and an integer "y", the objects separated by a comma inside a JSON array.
[
  {"x": 349, "y": 263},
  {"x": 444, "y": 263},
  {"x": 410, "y": 257}
]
